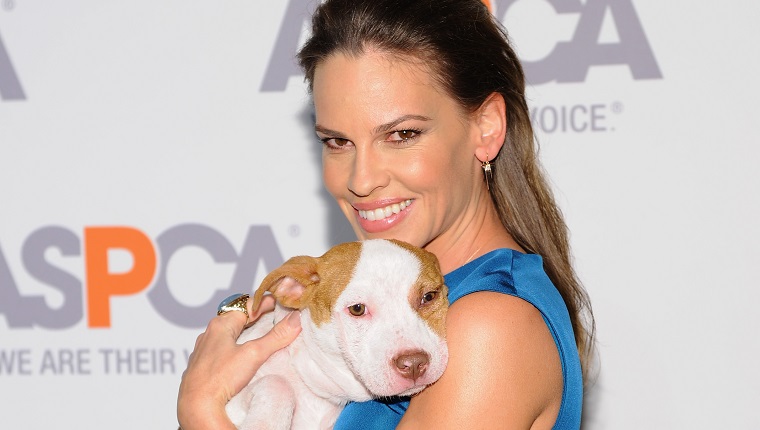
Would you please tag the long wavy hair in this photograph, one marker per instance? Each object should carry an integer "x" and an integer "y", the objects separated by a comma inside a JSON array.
[{"x": 469, "y": 54}]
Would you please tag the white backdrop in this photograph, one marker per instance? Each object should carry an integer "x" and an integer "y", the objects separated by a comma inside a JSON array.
[{"x": 165, "y": 149}]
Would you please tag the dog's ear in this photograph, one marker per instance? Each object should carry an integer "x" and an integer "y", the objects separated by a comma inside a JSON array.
[{"x": 290, "y": 283}]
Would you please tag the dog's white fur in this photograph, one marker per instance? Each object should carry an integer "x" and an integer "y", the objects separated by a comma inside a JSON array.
[{"x": 340, "y": 357}]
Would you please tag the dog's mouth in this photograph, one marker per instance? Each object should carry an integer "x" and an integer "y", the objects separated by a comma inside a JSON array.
[
  {"x": 400, "y": 389},
  {"x": 384, "y": 212}
]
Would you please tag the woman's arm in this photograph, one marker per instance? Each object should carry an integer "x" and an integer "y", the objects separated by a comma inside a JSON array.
[
  {"x": 219, "y": 368},
  {"x": 504, "y": 369}
]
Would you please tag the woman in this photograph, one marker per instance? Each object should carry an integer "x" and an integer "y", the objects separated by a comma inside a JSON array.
[{"x": 421, "y": 110}]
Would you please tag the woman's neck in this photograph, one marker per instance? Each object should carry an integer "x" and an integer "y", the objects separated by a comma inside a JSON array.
[{"x": 473, "y": 237}]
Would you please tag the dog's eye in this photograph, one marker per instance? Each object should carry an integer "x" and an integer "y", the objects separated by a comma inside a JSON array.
[
  {"x": 429, "y": 297},
  {"x": 357, "y": 310}
]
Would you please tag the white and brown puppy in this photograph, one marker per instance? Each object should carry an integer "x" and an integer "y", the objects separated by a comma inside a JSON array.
[{"x": 373, "y": 317}]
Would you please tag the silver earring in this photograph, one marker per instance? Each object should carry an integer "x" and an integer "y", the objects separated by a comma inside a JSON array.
[{"x": 486, "y": 165}]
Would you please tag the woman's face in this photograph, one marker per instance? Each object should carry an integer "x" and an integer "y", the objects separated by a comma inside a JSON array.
[{"x": 399, "y": 154}]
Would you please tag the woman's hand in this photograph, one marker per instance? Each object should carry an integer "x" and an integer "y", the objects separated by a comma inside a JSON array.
[{"x": 219, "y": 368}]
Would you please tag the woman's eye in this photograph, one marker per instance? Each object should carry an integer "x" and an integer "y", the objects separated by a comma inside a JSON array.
[
  {"x": 429, "y": 297},
  {"x": 335, "y": 142},
  {"x": 403, "y": 135},
  {"x": 358, "y": 309}
]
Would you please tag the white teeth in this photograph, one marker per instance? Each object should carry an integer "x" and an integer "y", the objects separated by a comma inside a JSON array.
[{"x": 382, "y": 213}]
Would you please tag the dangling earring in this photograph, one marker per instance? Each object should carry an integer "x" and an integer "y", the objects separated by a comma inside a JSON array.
[{"x": 486, "y": 165}]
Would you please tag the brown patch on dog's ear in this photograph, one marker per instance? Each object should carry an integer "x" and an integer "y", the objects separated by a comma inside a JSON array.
[
  {"x": 312, "y": 282},
  {"x": 291, "y": 284},
  {"x": 336, "y": 267}
]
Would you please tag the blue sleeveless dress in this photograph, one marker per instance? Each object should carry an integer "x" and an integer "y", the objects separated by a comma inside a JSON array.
[{"x": 508, "y": 272}]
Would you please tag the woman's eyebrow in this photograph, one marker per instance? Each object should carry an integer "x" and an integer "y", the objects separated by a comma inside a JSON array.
[
  {"x": 392, "y": 124},
  {"x": 326, "y": 131}
]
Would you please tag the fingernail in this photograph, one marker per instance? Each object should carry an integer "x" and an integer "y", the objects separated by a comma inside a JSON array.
[{"x": 294, "y": 319}]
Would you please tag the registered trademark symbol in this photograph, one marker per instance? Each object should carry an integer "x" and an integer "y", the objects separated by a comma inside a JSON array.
[
  {"x": 9, "y": 5},
  {"x": 617, "y": 107},
  {"x": 294, "y": 230}
]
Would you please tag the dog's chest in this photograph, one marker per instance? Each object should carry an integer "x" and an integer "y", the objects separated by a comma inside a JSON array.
[{"x": 278, "y": 378}]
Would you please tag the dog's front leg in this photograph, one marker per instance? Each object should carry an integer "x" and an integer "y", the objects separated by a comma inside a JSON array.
[{"x": 267, "y": 404}]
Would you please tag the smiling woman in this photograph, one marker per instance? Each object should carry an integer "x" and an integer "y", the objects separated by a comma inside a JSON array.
[{"x": 427, "y": 139}]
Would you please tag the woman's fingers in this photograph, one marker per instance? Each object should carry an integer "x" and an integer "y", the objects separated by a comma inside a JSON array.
[{"x": 267, "y": 305}]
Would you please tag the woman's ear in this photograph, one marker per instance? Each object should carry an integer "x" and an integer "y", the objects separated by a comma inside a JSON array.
[{"x": 492, "y": 122}]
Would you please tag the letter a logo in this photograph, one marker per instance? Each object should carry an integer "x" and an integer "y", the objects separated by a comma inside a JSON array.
[{"x": 10, "y": 87}]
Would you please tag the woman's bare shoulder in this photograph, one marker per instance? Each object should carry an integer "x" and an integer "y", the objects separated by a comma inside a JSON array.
[{"x": 504, "y": 369}]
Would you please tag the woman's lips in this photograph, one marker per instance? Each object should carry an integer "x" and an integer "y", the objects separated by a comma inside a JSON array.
[{"x": 381, "y": 218}]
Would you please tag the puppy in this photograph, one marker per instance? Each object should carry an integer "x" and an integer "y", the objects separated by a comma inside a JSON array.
[{"x": 373, "y": 325}]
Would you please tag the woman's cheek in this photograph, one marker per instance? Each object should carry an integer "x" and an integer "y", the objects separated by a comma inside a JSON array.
[{"x": 424, "y": 170}]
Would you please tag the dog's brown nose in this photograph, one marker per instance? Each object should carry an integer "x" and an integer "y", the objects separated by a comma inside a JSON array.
[{"x": 412, "y": 364}]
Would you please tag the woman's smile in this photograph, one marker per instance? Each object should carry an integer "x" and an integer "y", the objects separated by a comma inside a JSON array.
[{"x": 380, "y": 216}]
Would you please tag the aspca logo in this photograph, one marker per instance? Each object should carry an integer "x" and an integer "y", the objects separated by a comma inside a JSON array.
[
  {"x": 568, "y": 62},
  {"x": 10, "y": 87},
  {"x": 97, "y": 292}
]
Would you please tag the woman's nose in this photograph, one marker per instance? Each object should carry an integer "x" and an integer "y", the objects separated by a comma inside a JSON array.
[{"x": 368, "y": 172}]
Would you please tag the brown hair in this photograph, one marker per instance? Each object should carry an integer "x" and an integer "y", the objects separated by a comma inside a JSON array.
[{"x": 469, "y": 53}]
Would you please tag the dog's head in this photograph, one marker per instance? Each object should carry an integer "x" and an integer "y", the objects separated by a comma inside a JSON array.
[{"x": 375, "y": 311}]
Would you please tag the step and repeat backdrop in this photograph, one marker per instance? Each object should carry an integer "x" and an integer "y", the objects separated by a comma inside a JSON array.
[{"x": 157, "y": 156}]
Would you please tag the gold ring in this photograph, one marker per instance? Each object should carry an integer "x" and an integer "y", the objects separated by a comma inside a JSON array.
[{"x": 235, "y": 302}]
